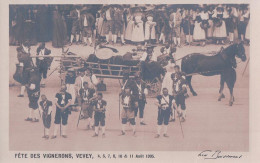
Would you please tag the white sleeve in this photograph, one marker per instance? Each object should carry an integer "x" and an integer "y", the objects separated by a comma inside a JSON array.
[
  {"x": 50, "y": 110},
  {"x": 144, "y": 56},
  {"x": 32, "y": 86},
  {"x": 146, "y": 91},
  {"x": 94, "y": 79}
]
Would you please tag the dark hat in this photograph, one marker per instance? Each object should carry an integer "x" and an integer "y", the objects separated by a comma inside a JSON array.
[
  {"x": 149, "y": 46},
  {"x": 82, "y": 69},
  {"x": 176, "y": 66},
  {"x": 26, "y": 43}
]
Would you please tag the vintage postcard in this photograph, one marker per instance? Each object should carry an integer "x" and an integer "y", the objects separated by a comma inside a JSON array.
[{"x": 118, "y": 81}]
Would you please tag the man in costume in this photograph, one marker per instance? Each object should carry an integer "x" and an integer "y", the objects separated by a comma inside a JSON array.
[
  {"x": 165, "y": 103},
  {"x": 180, "y": 91},
  {"x": 25, "y": 63},
  {"x": 63, "y": 101},
  {"x": 43, "y": 63},
  {"x": 100, "y": 109},
  {"x": 87, "y": 96},
  {"x": 46, "y": 107},
  {"x": 75, "y": 31},
  {"x": 33, "y": 91},
  {"x": 139, "y": 92},
  {"x": 118, "y": 24},
  {"x": 128, "y": 113},
  {"x": 79, "y": 85},
  {"x": 91, "y": 78},
  {"x": 87, "y": 20}
]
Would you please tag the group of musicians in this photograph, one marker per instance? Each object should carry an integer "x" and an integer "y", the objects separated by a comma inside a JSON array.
[{"x": 80, "y": 92}]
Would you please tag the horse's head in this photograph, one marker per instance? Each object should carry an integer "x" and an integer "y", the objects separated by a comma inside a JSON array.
[{"x": 240, "y": 51}]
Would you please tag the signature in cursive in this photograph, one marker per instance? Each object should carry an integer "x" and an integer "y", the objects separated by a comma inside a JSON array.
[{"x": 217, "y": 154}]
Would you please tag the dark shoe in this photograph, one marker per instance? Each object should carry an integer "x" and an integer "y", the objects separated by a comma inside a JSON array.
[
  {"x": 93, "y": 127},
  {"x": 134, "y": 133},
  {"x": 106, "y": 43},
  {"x": 44, "y": 136},
  {"x": 35, "y": 120},
  {"x": 28, "y": 119},
  {"x": 81, "y": 117},
  {"x": 103, "y": 135},
  {"x": 95, "y": 135},
  {"x": 123, "y": 43},
  {"x": 91, "y": 45},
  {"x": 122, "y": 133},
  {"x": 20, "y": 95},
  {"x": 142, "y": 123},
  {"x": 70, "y": 44},
  {"x": 157, "y": 136},
  {"x": 165, "y": 135},
  {"x": 172, "y": 120},
  {"x": 53, "y": 137},
  {"x": 64, "y": 136}
]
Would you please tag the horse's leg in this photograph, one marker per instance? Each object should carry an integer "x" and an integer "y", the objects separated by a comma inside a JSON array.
[
  {"x": 231, "y": 79},
  {"x": 188, "y": 79},
  {"x": 222, "y": 84}
]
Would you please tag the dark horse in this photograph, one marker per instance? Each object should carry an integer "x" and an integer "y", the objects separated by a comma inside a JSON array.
[{"x": 223, "y": 64}]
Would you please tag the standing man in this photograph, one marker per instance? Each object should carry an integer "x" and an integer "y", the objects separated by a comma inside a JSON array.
[
  {"x": 165, "y": 103},
  {"x": 25, "y": 61},
  {"x": 175, "y": 24},
  {"x": 91, "y": 78},
  {"x": 70, "y": 83},
  {"x": 87, "y": 20},
  {"x": 75, "y": 31},
  {"x": 109, "y": 23},
  {"x": 43, "y": 63},
  {"x": 139, "y": 92},
  {"x": 63, "y": 101},
  {"x": 33, "y": 91},
  {"x": 180, "y": 91},
  {"x": 87, "y": 95},
  {"x": 46, "y": 107},
  {"x": 118, "y": 25},
  {"x": 100, "y": 109},
  {"x": 79, "y": 85},
  {"x": 128, "y": 113}
]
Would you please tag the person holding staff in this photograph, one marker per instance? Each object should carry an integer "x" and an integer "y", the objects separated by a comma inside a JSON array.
[
  {"x": 63, "y": 101},
  {"x": 165, "y": 103},
  {"x": 46, "y": 107},
  {"x": 100, "y": 109}
]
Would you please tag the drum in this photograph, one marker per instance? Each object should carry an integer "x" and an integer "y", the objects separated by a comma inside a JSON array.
[{"x": 104, "y": 53}]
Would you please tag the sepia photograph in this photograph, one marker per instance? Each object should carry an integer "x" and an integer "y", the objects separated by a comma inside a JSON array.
[{"x": 129, "y": 77}]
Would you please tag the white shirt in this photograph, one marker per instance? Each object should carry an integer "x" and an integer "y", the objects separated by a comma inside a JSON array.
[
  {"x": 78, "y": 13},
  {"x": 85, "y": 21},
  {"x": 126, "y": 100},
  {"x": 153, "y": 58},
  {"x": 204, "y": 16},
  {"x": 41, "y": 54},
  {"x": 82, "y": 81},
  {"x": 165, "y": 101},
  {"x": 63, "y": 99}
]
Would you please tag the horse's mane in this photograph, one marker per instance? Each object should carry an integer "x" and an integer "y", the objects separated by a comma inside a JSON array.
[{"x": 228, "y": 50}]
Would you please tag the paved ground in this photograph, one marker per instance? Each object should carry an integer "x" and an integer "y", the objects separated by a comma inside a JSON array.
[{"x": 210, "y": 124}]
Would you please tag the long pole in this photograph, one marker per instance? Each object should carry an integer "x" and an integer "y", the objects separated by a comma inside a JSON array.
[
  {"x": 119, "y": 107},
  {"x": 245, "y": 67},
  {"x": 181, "y": 126}
]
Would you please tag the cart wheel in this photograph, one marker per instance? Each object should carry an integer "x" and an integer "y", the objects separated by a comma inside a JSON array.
[{"x": 154, "y": 88}]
